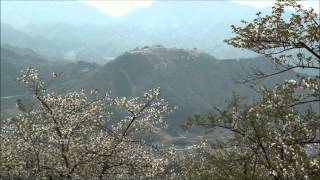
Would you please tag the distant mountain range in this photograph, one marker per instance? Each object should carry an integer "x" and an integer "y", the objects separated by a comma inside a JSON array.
[
  {"x": 81, "y": 32},
  {"x": 190, "y": 79},
  {"x": 22, "y": 13}
]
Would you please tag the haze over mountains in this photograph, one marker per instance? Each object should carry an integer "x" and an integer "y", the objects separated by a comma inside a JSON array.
[
  {"x": 177, "y": 46},
  {"x": 95, "y": 36},
  {"x": 22, "y": 13}
]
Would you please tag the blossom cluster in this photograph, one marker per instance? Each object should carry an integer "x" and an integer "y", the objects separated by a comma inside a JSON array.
[{"x": 76, "y": 136}]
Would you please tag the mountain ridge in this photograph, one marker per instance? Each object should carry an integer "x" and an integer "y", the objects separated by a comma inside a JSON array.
[
  {"x": 189, "y": 79},
  {"x": 193, "y": 85},
  {"x": 202, "y": 25}
]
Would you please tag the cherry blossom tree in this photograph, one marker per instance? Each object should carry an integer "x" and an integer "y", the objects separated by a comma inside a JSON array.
[
  {"x": 289, "y": 41},
  {"x": 75, "y": 135},
  {"x": 277, "y": 137}
]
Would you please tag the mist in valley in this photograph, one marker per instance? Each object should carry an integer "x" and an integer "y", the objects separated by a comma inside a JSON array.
[{"x": 128, "y": 48}]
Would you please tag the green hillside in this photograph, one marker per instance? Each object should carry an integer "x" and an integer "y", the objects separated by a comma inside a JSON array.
[{"x": 189, "y": 79}]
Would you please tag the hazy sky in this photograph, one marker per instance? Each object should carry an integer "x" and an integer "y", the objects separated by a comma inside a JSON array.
[
  {"x": 123, "y": 7},
  {"x": 120, "y": 7}
]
